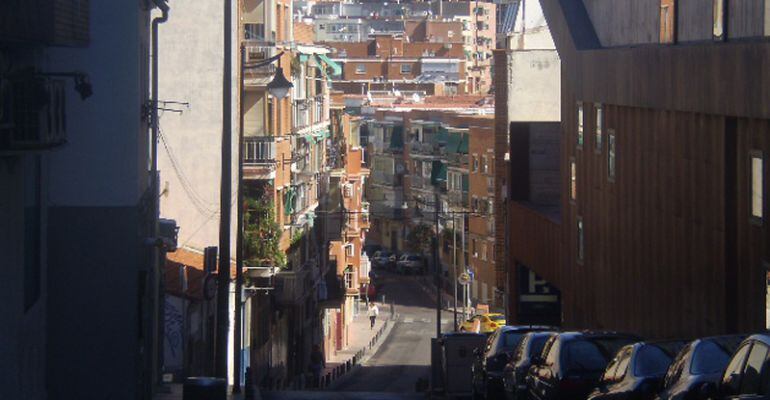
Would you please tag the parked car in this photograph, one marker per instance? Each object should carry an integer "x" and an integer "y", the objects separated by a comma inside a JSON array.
[
  {"x": 637, "y": 371},
  {"x": 384, "y": 258},
  {"x": 747, "y": 375},
  {"x": 410, "y": 264},
  {"x": 487, "y": 323},
  {"x": 515, "y": 371},
  {"x": 572, "y": 364},
  {"x": 698, "y": 367},
  {"x": 490, "y": 362},
  {"x": 370, "y": 249}
]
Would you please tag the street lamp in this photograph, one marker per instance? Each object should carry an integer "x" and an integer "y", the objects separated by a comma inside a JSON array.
[{"x": 279, "y": 87}]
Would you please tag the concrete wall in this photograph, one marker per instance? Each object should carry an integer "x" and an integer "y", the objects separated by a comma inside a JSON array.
[
  {"x": 190, "y": 59},
  {"x": 544, "y": 164},
  {"x": 534, "y": 87},
  {"x": 95, "y": 221},
  {"x": 625, "y": 22}
]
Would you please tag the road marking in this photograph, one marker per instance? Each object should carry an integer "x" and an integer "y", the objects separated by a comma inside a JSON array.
[{"x": 408, "y": 320}]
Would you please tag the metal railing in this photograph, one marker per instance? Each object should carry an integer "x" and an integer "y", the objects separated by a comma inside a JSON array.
[{"x": 258, "y": 149}]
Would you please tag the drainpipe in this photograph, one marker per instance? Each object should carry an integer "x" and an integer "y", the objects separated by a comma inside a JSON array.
[{"x": 157, "y": 290}]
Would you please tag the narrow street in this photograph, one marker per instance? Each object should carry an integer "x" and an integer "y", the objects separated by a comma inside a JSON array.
[{"x": 404, "y": 356}]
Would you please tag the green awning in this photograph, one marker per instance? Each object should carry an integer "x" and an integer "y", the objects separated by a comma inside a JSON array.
[
  {"x": 438, "y": 172},
  {"x": 397, "y": 137},
  {"x": 453, "y": 142},
  {"x": 336, "y": 68},
  {"x": 463, "y": 148},
  {"x": 288, "y": 201},
  {"x": 443, "y": 135}
]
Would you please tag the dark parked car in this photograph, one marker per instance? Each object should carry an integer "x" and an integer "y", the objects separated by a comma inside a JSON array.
[
  {"x": 531, "y": 346},
  {"x": 698, "y": 367},
  {"x": 747, "y": 375},
  {"x": 491, "y": 361},
  {"x": 572, "y": 364},
  {"x": 384, "y": 259},
  {"x": 637, "y": 371}
]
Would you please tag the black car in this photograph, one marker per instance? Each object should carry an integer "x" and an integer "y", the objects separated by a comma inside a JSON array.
[
  {"x": 491, "y": 361},
  {"x": 698, "y": 367},
  {"x": 637, "y": 371},
  {"x": 747, "y": 375},
  {"x": 572, "y": 364},
  {"x": 531, "y": 347}
]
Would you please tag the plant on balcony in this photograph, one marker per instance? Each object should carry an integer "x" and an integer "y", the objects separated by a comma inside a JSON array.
[
  {"x": 419, "y": 239},
  {"x": 262, "y": 234}
]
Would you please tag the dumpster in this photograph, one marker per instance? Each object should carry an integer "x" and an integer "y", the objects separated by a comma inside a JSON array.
[
  {"x": 457, "y": 361},
  {"x": 204, "y": 388}
]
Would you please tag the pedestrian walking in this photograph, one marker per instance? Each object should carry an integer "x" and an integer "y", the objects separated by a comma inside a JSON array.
[
  {"x": 317, "y": 364},
  {"x": 373, "y": 313}
]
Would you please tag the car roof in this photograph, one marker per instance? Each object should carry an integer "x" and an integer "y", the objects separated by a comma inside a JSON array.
[
  {"x": 760, "y": 337},
  {"x": 527, "y": 328},
  {"x": 597, "y": 335}
]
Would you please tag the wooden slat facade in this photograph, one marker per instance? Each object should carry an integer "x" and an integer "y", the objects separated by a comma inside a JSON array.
[{"x": 670, "y": 249}]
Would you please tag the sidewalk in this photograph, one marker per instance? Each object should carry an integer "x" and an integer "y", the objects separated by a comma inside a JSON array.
[{"x": 175, "y": 393}]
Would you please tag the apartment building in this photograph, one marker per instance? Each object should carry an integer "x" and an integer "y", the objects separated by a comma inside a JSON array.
[
  {"x": 397, "y": 63},
  {"x": 661, "y": 188},
  {"x": 76, "y": 201},
  {"x": 479, "y": 37}
]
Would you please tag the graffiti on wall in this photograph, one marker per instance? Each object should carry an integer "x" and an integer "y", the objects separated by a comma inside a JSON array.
[{"x": 174, "y": 333}]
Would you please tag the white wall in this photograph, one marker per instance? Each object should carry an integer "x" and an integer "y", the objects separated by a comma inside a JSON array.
[
  {"x": 534, "y": 86},
  {"x": 530, "y": 30},
  {"x": 191, "y": 58}
]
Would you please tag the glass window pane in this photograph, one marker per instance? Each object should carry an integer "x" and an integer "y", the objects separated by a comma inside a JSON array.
[
  {"x": 580, "y": 125},
  {"x": 651, "y": 361},
  {"x": 757, "y": 188},
  {"x": 599, "y": 123},
  {"x": 734, "y": 369},
  {"x": 583, "y": 355},
  {"x": 750, "y": 381},
  {"x": 719, "y": 19},
  {"x": 611, "y": 156},
  {"x": 708, "y": 359}
]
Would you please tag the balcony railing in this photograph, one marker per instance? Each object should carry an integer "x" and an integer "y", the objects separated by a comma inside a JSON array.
[
  {"x": 256, "y": 52},
  {"x": 307, "y": 112},
  {"x": 259, "y": 150}
]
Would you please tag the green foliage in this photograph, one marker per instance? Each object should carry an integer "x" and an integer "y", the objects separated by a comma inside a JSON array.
[
  {"x": 419, "y": 239},
  {"x": 262, "y": 235}
]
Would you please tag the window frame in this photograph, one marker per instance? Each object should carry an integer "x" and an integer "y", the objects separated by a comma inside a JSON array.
[
  {"x": 401, "y": 68},
  {"x": 360, "y": 70},
  {"x": 756, "y": 219},
  {"x": 573, "y": 180},
  {"x": 612, "y": 155},
  {"x": 580, "y": 125},
  {"x": 580, "y": 226},
  {"x": 599, "y": 128}
]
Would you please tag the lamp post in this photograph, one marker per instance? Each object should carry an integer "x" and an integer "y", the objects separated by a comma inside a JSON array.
[{"x": 279, "y": 87}]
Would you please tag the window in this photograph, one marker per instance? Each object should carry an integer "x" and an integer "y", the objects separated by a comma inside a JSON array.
[
  {"x": 492, "y": 252},
  {"x": 580, "y": 241},
  {"x": 751, "y": 379},
  {"x": 473, "y": 249},
  {"x": 484, "y": 251},
  {"x": 667, "y": 21},
  {"x": 406, "y": 68},
  {"x": 580, "y": 125},
  {"x": 360, "y": 69},
  {"x": 475, "y": 163},
  {"x": 485, "y": 164},
  {"x": 731, "y": 386},
  {"x": 349, "y": 249},
  {"x": 572, "y": 179},
  {"x": 757, "y": 186},
  {"x": 719, "y": 20},
  {"x": 583, "y": 355},
  {"x": 599, "y": 123},
  {"x": 611, "y": 155}
]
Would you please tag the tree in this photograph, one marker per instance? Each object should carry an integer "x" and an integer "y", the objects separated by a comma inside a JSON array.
[{"x": 419, "y": 239}]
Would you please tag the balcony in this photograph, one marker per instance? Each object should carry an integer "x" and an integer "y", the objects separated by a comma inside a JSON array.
[
  {"x": 259, "y": 157},
  {"x": 32, "y": 116},
  {"x": 256, "y": 52},
  {"x": 458, "y": 199},
  {"x": 308, "y": 112}
]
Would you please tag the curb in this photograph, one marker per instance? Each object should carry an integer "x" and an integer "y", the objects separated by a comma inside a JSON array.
[{"x": 363, "y": 355}]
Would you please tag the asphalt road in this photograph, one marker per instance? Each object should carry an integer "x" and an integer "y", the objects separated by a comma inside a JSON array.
[{"x": 402, "y": 359}]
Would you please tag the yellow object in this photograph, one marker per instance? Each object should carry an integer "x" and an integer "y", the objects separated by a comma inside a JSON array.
[{"x": 483, "y": 323}]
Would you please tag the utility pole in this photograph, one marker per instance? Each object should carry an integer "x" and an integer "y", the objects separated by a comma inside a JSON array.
[
  {"x": 437, "y": 266},
  {"x": 223, "y": 277},
  {"x": 237, "y": 334},
  {"x": 454, "y": 266}
]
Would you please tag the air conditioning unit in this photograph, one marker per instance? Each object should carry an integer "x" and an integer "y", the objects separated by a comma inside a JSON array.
[{"x": 32, "y": 113}]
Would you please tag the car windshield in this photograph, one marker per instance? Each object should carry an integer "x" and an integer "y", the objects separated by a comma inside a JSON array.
[
  {"x": 651, "y": 361},
  {"x": 536, "y": 345},
  {"x": 709, "y": 358},
  {"x": 497, "y": 317},
  {"x": 510, "y": 340},
  {"x": 584, "y": 355}
]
